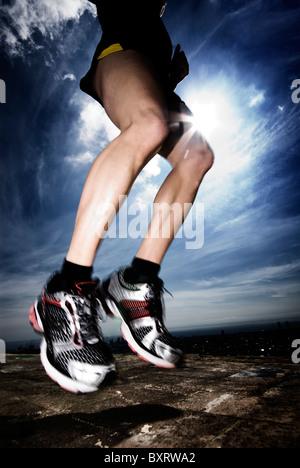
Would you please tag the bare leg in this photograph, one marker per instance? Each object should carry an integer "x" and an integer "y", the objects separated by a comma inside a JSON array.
[
  {"x": 134, "y": 102},
  {"x": 191, "y": 158}
]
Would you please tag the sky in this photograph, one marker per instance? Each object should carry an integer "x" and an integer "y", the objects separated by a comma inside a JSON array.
[{"x": 236, "y": 261}]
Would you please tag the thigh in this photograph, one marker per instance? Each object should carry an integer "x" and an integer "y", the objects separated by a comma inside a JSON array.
[{"x": 127, "y": 86}]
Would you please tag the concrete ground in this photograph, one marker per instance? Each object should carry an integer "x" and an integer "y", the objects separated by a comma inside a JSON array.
[{"x": 210, "y": 402}]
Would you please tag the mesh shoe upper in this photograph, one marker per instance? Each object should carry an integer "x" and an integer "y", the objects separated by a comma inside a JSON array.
[
  {"x": 141, "y": 306},
  {"x": 70, "y": 323}
]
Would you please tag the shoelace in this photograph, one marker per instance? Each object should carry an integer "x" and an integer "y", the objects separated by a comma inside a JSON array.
[
  {"x": 155, "y": 299},
  {"x": 89, "y": 316}
]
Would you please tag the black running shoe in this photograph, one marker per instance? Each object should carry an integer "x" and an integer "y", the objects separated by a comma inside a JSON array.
[
  {"x": 73, "y": 352},
  {"x": 141, "y": 308}
]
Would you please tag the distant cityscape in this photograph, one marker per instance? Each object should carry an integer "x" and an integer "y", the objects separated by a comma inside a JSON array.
[{"x": 275, "y": 340}]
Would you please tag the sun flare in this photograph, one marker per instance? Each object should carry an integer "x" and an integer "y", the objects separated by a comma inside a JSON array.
[{"x": 213, "y": 113}]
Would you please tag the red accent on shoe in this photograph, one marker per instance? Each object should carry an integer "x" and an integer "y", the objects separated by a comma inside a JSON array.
[
  {"x": 79, "y": 288},
  {"x": 136, "y": 309},
  {"x": 33, "y": 320},
  {"x": 51, "y": 301}
]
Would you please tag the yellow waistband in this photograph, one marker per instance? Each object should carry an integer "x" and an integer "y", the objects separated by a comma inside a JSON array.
[{"x": 110, "y": 50}]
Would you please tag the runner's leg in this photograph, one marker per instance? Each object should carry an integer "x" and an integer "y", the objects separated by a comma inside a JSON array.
[
  {"x": 134, "y": 102},
  {"x": 191, "y": 158}
]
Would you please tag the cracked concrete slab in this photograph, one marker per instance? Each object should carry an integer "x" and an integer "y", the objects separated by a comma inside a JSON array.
[{"x": 210, "y": 402}]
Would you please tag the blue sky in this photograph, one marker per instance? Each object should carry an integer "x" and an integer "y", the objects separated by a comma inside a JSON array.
[{"x": 244, "y": 57}]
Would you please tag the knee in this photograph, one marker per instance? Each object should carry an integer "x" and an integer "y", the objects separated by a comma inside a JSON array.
[
  {"x": 205, "y": 158},
  {"x": 152, "y": 132},
  {"x": 197, "y": 162},
  {"x": 148, "y": 132},
  {"x": 158, "y": 130}
]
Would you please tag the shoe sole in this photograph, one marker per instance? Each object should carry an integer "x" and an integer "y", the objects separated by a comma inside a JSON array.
[
  {"x": 112, "y": 309},
  {"x": 62, "y": 380}
]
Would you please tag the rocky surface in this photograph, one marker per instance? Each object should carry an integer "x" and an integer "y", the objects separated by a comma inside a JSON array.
[{"x": 209, "y": 402}]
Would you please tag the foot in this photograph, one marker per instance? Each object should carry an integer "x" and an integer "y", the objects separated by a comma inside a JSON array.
[
  {"x": 73, "y": 352},
  {"x": 140, "y": 307}
]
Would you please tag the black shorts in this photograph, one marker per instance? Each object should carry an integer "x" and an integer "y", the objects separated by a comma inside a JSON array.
[
  {"x": 132, "y": 25},
  {"x": 128, "y": 25}
]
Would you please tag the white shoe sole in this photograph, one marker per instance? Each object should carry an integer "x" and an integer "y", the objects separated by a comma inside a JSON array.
[{"x": 66, "y": 382}]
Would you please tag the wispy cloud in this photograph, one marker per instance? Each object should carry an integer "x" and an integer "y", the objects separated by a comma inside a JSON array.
[
  {"x": 23, "y": 19},
  {"x": 69, "y": 76},
  {"x": 253, "y": 278},
  {"x": 152, "y": 169},
  {"x": 94, "y": 125},
  {"x": 257, "y": 99},
  {"x": 80, "y": 159}
]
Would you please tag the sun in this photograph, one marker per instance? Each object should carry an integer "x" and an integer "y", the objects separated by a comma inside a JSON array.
[
  {"x": 212, "y": 113},
  {"x": 217, "y": 116},
  {"x": 205, "y": 118}
]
